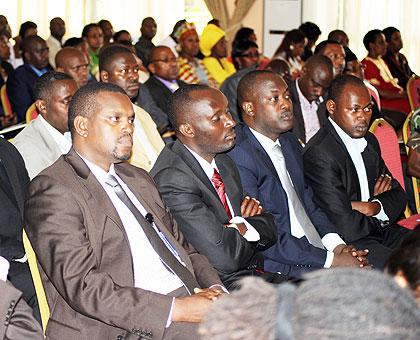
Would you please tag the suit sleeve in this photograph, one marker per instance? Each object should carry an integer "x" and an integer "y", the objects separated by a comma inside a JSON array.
[
  {"x": 225, "y": 248},
  {"x": 19, "y": 95}
]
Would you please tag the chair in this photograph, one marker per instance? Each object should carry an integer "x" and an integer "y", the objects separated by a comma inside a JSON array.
[
  {"x": 413, "y": 92},
  {"x": 5, "y": 102},
  {"x": 39, "y": 287},
  {"x": 31, "y": 113}
]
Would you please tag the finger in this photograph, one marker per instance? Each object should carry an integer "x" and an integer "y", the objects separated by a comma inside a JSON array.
[
  {"x": 260, "y": 209},
  {"x": 244, "y": 204},
  {"x": 255, "y": 207},
  {"x": 250, "y": 207},
  {"x": 357, "y": 253}
]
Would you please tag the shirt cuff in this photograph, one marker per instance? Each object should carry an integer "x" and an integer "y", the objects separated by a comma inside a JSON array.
[
  {"x": 4, "y": 268},
  {"x": 329, "y": 259},
  {"x": 251, "y": 234},
  {"x": 219, "y": 286},
  {"x": 169, "y": 321},
  {"x": 332, "y": 240},
  {"x": 381, "y": 215}
]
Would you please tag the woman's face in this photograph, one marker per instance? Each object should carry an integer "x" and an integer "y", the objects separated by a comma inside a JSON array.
[
  {"x": 297, "y": 49},
  {"x": 190, "y": 44},
  {"x": 379, "y": 46}
]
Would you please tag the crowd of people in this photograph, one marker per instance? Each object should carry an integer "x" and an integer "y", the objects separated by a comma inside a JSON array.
[{"x": 173, "y": 191}]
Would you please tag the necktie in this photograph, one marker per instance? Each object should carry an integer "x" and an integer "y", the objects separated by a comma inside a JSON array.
[
  {"x": 166, "y": 256},
  {"x": 308, "y": 228},
  {"x": 220, "y": 189}
]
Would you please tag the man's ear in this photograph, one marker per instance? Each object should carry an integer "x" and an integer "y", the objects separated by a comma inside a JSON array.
[
  {"x": 248, "y": 109},
  {"x": 81, "y": 126},
  {"x": 187, "y": 130},
  {"x": 41, "y": 106},
  {"x": 104, "y": 76},
  {"x": 330, "y": 105}
]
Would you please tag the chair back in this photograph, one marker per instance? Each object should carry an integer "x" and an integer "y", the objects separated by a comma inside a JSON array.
[
  {"x": 413, "y": 92},
  {"x": 5, "y": 102},
  {"x": 31, "y": 113},
  {"x": 36, "y": 277}
]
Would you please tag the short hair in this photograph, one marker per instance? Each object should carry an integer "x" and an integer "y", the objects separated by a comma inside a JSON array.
[
  {"x": 107, "y": 55},
  {"x": 83, "y": 103},
  {"x": 27, "y": 25},
  {"x": 180, "y": 100},
  {"x": 311, "y": 30},
  {"x": 146, "y": 19},
  {"x": 240, "y": 48},
  {"x": 248, "y": 83},
  {"x": 388, "y": 32},
  {"x": 43, "y": 84},
  {"x": 339, "y": 83},
  {"x": 28, "y": 43},
  {"x": 87, "y": 29},
  {"x": 370, "y": 37},
  {"x": 319, "y": 49},
  {"x": 333, "y": 34},
  {"x": 73, "y": 42},
  {"x": 116, "y": 35}
]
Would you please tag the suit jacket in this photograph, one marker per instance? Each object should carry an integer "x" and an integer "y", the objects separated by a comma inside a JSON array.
[
  {"x": 298, "y": 123},
  {"x": 333, "y": 177},
  {"x": 85, "y": 258},
  {"x": 20, "y": 90},
  {"x": 37, "y": 147},
  {"x": 160, "y": 93},
  {"x": 139, "y": 156},
  {"x": 13, "y": 183},
  {"x": 194, "y": 203},
  {"x": 17, "y": 321},
  {"x": 289, "y": 255}
]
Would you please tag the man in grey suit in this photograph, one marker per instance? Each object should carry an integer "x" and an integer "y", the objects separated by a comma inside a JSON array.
[
  {"x": 46, "y": 137},
  {"x": 113, "y": 262}
]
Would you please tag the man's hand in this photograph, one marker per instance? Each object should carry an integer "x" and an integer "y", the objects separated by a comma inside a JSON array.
[
  {"x": 209, "y": 293},
  {"x": 241, "y": 227},
  {"x": 383, "y": 183},
  {"x": 360, "y": 255},
  {"x": 250, "y": 207},
  {"x": 366, "y": 208}
]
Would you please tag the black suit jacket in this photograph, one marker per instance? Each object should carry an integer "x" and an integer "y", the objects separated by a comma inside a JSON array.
[
  {"x": 333, "y": 177},
  {"x": 195, "y": 205},
  {"x": 298, "y": 123}
]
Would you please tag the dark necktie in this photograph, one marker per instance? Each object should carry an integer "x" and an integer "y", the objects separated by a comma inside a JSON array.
[
  {"x": 308, "y": 228},
  {"x": 220, "y": 189},
  {"x": 166, "y": 256}
]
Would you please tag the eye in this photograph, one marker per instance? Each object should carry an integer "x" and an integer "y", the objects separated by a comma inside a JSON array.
[
  {"x": 274, "y": 99},
  {"x": 131, "y": 120},
  {"x": 215, "y": 118},
  {"x": 114, "y": 119}
]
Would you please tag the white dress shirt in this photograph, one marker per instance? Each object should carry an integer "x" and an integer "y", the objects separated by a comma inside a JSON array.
[
  {"x": 251, "y": 234},
  {"x": 309, "y": 114},
  {"x": 330, "y": 240},
  {"x": 4, "y": 268},
  {"x": 63, "y": 141},
  {"x": 355, "y": 147}
]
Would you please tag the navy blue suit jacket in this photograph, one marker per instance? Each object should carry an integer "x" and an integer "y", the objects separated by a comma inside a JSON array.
[{"x": 289, "y": 255}]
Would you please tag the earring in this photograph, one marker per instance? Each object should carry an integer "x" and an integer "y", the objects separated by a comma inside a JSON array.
[{"x": 291, "y": 47}]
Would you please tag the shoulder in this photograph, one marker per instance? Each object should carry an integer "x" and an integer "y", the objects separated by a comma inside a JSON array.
[
  {"x": 371, "y": 139},
  {"x": 322, "y": 142},
  {"x": 168, "y": 161}
]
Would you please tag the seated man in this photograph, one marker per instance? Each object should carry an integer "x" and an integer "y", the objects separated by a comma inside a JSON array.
[
  {"x": 203, "y": 190},
  {"x": 307, "y": 239},
  {"x": 335, "y": 51},
  {"x": 20, "y": 85},
  {"x": 45, "y": 139},
  {"x": 351, "y": 183},
  {"x": 307, "y": 97},
  {"x": 112, "y": 260},
  {"x": 73, "y": 62},
  {"x": 118, "y": 65}
]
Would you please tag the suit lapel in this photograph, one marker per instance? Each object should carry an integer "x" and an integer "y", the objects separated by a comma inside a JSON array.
[
  {"x": 370, "y": 157},
  {"x": 231, "y": 187},
  {"x": 299, "y": 125}
]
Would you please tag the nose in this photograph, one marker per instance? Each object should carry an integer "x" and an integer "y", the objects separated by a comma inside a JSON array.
[{"x": 230, "y": 123}]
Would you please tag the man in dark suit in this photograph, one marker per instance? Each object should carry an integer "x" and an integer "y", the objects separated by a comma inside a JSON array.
[
  {"x": 20, "y": 86},
  {"x": 351, "y": 183},
  {"x": 113, "y": 262},
  {"x": 164, "y": 79},
  {"x": 13, "y": 183},
  {"x": 307, "y": 97},
  {"x": 307, "y": 239},
  {"x": 203, "y": 190}
]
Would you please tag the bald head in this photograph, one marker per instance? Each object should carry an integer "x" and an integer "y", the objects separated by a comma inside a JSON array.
[{"x": 73, "y": 62}]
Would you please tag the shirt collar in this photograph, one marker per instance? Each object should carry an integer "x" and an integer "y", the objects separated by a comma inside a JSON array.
[
  {"x": 207, "y": 167},
  {"x": 100, "y": 174},
  {"x": 356, "y": 144},
  {"x": 38, "y": 72},
  {"x": 63, "y": 141},
  {"x": 267, "y": 143}
]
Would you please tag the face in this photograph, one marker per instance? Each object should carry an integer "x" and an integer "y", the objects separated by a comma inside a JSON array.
[
  {"x": 352, "y": 111},
  {"x": 4, "y": 48},
  {"x": 95, "y": 38},
  {"x": 190, "y": 44},
  {"x": 164, "y": 64},
  {"x": 343, "y": 39},
  {"x": 220, "y": 49},
  {"x": 249, "y": 58},
  {"x": 109, "y": 129},
  {"x": 338, "y": 57},
  {"x": 38, "y": 56},
  {"x": 211, "y": 123},
  {"x": 395, "y": 43},
  {"x": 56, "y": 107},
  {"x": 378, "y": 48},
  {"x": 107, "y": 29},
  {"x": 124, "y": 37},
  {"x": 297, "y": 49},
  {"x": 30, "y": 32},
  {"x": 124, "y": 72},
  {"x": 58, "y": 28},
  {"x": 314, "y": 82},
  {"x": 272, "y": 106},
  {"x": 148, "y": 29},
  {"x": 77, "y": 67},
  {"x": 355, "y": 68}
]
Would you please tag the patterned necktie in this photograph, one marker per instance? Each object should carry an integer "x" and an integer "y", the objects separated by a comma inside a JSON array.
[
  {"x": 220, "y": 189},
  {"x": 308, "y": 228}
]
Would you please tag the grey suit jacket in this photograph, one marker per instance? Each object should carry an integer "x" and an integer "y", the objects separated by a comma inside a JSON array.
[
  {"x": 37, "y": 147},
  {"x": 85, "y": 257}
]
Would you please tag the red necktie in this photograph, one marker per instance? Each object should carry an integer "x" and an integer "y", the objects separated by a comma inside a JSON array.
[{"x": 220, "y": 188}]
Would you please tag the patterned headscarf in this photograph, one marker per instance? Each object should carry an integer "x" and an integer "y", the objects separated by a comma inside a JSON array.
[{"x": 211, "y": 35}]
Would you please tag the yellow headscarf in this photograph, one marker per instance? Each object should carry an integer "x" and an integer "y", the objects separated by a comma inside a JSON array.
[{"x": 210, "y": 36}]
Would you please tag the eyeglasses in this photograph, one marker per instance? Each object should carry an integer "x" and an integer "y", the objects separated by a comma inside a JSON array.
[
  {"x": 166, "y": 61},
  {"x": 250, "y": 55}
]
